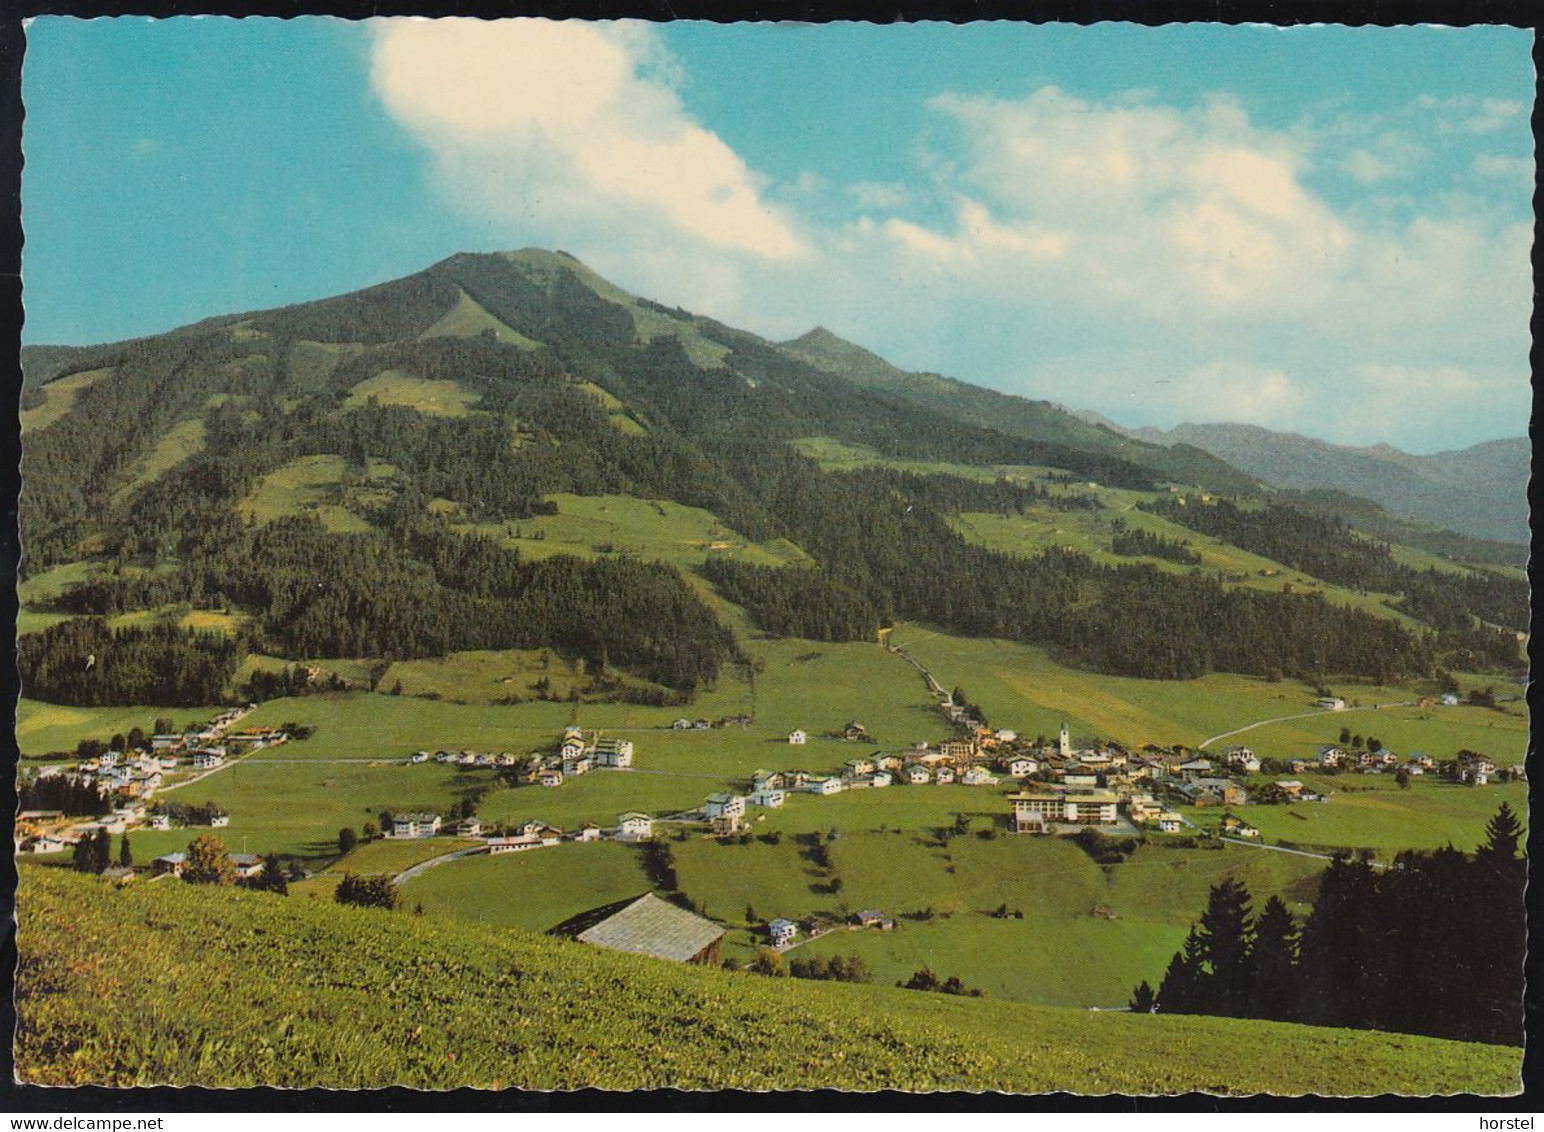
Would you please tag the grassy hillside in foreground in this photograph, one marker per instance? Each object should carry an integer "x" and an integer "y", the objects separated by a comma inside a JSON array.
[{"x": 166, "y": 983}]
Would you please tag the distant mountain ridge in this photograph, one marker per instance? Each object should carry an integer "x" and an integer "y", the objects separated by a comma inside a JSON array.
[
  {"x": 1016, "y": 416},
  {"x": 1480, "y": 490}
]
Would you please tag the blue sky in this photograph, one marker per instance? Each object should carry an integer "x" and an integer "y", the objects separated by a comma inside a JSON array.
[{"x": 1324, "y": 230}]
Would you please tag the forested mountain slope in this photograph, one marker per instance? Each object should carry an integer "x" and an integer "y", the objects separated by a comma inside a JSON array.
[{"x": 346, "y": 478}]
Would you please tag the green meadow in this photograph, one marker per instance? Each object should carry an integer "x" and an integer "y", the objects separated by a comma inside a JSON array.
[
  {"x": 1372, "y": 812},
  {"x": 301, "y": 981},
  {"x": 658, "y": 530},
  {"x": 320, "y": 485},
  {"x": 58, "y": 396}
]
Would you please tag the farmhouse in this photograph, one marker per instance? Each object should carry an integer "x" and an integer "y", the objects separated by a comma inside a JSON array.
[
  {"x": 797, "y": 737},
  {"x": 469, "y": 827},
  {"x": 724, "y": 805},
  {"x": 782, "y": 932},
  {"x": 918, "y": 776},
  {"x": 824, "y": 786},
  {"x": 1169, "y": 822},
  {"x": 587, "y": 833},
  {"x": 1223, "y": 790},
  {"x": 172, "y": 863},
  {"x": 635, "y": 827},
  {"x": 550, "y": 776},
  {"x": 119, "y": 874},
  {"x": 944, "y": 775},
  {"x": 883, "y": 778},
  {"x": 654, "y": 927},
  {"x": 246, "y": 865},
  {"x": 1020, "y": 766},
  {"x": 873, "y": 918},
  {"x": 977, "y": 776},
  {"x": 1332, "y": 703},
  {"x": 45, "y": 844},
  {"x": 726, "y": 824},
  {"x": 219, "y": 821},
  {"x": 614, "y": 753},
  {"x": 856, "y": 768},
  {"x": 576, "y": 765},
  {"x": 207, "y": 758},
  {"x": 1449, "y": 699},
  {"x": 768, "y": 796},
  {"x": 414, "y": 825}
]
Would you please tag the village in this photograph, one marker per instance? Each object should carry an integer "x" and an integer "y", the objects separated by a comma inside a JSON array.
[
  {"x": 130, "y": 780},
  {"x": 1039, "y": 786}
]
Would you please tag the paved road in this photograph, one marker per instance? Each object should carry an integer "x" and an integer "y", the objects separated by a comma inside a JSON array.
[
  {"x": 1204, "y": 743},
  {"x": 1283, "y": 849},
  {"x": 423, "y": 866}
]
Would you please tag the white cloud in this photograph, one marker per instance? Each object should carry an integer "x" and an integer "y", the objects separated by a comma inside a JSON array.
[
  {"x": 1155, "y": 262},
  {"x": 880, "y": 195},
  {"x": 1504, "y": 167},
  {"x": 572, "y": 128}
]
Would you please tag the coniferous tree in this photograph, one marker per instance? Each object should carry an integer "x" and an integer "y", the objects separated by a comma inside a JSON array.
[
  {"x": 1183, "y": 989},
  {"x": 1275, "y": 957},
  {"x": 1225, "y": 947},
  {"x": 125, "y": 854},
  {"x": 1142, "y": 999}
]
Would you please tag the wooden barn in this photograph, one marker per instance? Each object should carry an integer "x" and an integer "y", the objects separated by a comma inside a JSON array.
[{"x": 649, "y": 926}]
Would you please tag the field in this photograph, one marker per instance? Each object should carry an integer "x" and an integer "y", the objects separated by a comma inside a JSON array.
[
  {"x": 45, "y": 729},
  {"x": 467, "y": 320},
  {"x": 1372, "y": 812},
  {"x": 175, "y": 445},
  {"x": 58, "y": 396},
  {"x": 659, "y": 530},
  {"x": 490, "y": 676},
  {"x": 312, "y": 484},
  {"x": 296, "y": 988},
  {"x": 1144, "y": 906},
  {"x": 393, "y": 387}
]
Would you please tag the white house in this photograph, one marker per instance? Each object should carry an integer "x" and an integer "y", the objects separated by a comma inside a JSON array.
[
  {"x": 824, "y": 786},
  {"x": 918, "y": 776},
  {"x": 551, "y": 776},
  {"x": 977, "y": 776},
  {"x": 882, "y": 778},
  {"x": 246, "y": 865},
  {"x": 45, "y": 844},
  {"x": 587, "y": 833},
  {"x": 769, "y": 796},
  {"x": 414, "y": 825},
  {"x": 782, "y": 932},
  {"x": 635, "y": 827},
  {"x": 797, "y": 737},
  {"x": 219, "y": 821},
  {"x": 1332, "y": 703},
  {"x": 1449, "y": 699},
  {"x": 614, "y": 753},
  {"x": 207, "y": 758},
  {"x": 724, "y": 805},
  {"x": 944, "y": 775},
  {"x": 1020, "y": 766},
  {"x": 1169, "y": 822},
  {"x": 160, "y": 821},
  {"x": 469, "y": 827}
]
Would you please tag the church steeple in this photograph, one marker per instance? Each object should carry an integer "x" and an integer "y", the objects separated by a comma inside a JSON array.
[{"x": 1064, "y": 742}]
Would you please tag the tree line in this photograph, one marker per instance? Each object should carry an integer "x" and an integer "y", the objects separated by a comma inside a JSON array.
[
  {"x": 1432, "y": 945},
  {"x": 86, "y": 663}
]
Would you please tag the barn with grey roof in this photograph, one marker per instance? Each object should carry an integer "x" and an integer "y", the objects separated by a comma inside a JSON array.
[{"x": 651, "y": 926}]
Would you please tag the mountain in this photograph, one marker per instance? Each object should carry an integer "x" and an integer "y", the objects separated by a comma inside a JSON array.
[
  {"x": 349, "y": 478},
  {"x": 1017, "y": 416},
  {"x": 1479, "y": 491}
]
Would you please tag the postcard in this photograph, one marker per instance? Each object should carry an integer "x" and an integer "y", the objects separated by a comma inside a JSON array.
[{"x": 922, "y": 557}]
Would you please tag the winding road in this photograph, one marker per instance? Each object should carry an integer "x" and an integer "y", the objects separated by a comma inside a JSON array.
[{"x": 1204, "y": 743}]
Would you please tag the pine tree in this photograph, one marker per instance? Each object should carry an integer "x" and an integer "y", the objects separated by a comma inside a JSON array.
[
  {"x": 1275, "y": 957},
  {"x": 272, "y": 876},
  {"x": 1142, "y": 999},
  {"x": 125, "y": 854},
  {"x": 1225, "y": 946},
  {"x": 1183, "y": 988},
  {"x": 1501, "y": 874}
]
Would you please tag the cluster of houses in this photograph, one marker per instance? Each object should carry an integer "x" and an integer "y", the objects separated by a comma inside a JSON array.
[
  {"x": 132, "y": 777},
  {"x": 630, "y": 826}
]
